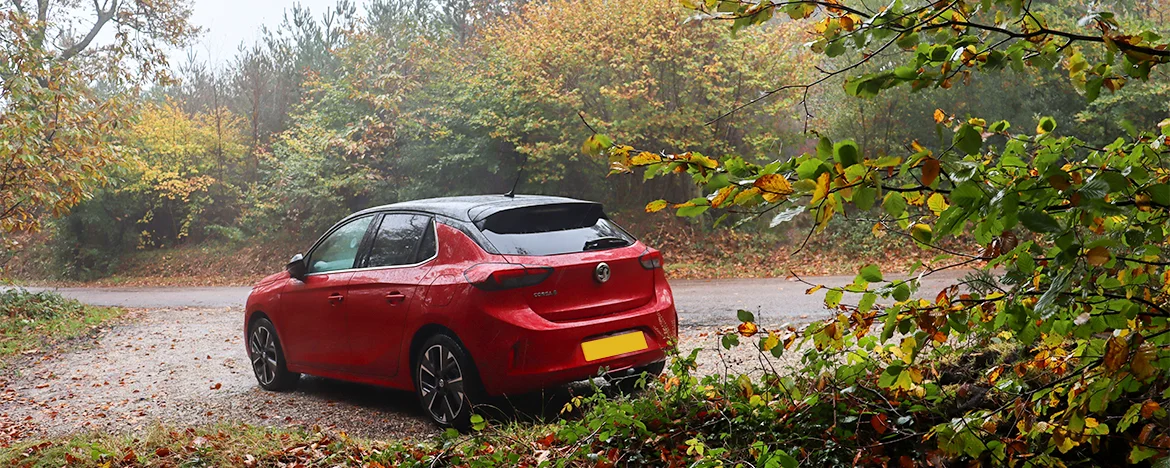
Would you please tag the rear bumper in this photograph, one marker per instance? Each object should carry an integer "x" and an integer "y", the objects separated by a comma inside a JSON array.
[{"x": 525, "y": 352}]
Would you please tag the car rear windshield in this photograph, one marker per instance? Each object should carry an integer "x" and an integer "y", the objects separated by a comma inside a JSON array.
[{"x": 553, "y": 230}]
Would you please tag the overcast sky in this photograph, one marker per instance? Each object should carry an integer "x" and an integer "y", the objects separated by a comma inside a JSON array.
[{"x": 227, "y": 23}]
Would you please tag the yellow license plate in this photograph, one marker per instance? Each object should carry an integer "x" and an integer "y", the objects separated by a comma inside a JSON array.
[{"x": 614, "y": 345}]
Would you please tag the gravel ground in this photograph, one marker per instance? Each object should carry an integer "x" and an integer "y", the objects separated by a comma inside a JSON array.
[{"x": 186, "y": 366}]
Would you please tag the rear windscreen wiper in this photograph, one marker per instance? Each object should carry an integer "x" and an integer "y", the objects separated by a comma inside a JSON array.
[{"x": 606, "y": 242}]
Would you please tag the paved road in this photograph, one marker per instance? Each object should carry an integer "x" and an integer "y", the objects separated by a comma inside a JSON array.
[{"x": 699, "y": 302}]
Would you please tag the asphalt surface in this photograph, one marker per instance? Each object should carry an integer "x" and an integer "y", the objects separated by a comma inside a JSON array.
[{"x": 699, "y": 302}]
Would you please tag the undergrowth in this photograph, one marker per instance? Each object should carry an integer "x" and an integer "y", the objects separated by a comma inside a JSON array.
[
  {"x": 32, "y": 321},
  {"x": 835, "y": 416}
]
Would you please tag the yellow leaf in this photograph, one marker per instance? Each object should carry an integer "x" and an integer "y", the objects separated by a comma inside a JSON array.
[
  {"x": 847, "y": 23},
  {"x": 744, "y": 196},
  {"x": 1142, "y": 364},
  {"x": 909, "y": 345},
  {"x": 748, "y": 329},
  {"x": 645, "y": 158},
  {"x": 721, "y": 196},
  {"x": 921, "y": 233},
  {"x": 1142, "y": 201},
  {"x": 814, "y": 289},
  {"x": 704, "y": 161},
  {"x": 995, "y": 373},
  {"x": 1097, "y": 256},
  {"x": 594, "y": 145},
  {"x": 1116, "y": 353},
  {"x": 822, "y": 189},
  {"x": 655, "y": 206},
  {"x": 774, "y": 186},
  {"x": 937, "y": 203},
  {"x": 1062, "y": 440},
  {"x": 879, "y": 230},
  {"x": 939, "y": 116},
  {"x": 770, "y": 342}
]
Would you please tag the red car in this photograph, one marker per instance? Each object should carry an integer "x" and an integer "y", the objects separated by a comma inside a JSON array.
[{"x": 464, "y": 297}]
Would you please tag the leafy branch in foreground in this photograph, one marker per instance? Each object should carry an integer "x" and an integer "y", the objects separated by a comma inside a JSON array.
[
  {"x": 1073, "y": 237},
  {"x": 934, "y": 44},
  {"x": 1076, "y": 238}
]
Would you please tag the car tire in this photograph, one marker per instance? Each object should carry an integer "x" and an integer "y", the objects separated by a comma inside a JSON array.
[
  {"x": 446, "y": 382},
  {"x": 267, "y": 358}
]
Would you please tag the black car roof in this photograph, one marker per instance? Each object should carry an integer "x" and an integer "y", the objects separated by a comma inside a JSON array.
[{"x": 474, "y": 207}]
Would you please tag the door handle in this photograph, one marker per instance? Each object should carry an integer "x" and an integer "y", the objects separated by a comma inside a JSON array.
[
  {"x": 395, "y": 297},
  {"x": 336, "y": 298}
]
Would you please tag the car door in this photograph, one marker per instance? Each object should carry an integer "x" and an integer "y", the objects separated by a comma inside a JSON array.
[
  {"x": 386, "y": 288},
  {"x": 314, "y": 328}
]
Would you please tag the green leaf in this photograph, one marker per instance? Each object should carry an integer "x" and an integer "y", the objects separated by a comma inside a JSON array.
[
  {"x": 1141, "y": 453},
  {"x": 477, "y": 422},
  {"x": 908, "y": 40},
  {"x": 968, "y": 139},
  {"x": 833, "y": 298},
  {"x": 901, "y": 292},
  {"x": 1039, "y": 221},
  {"x": 745, "y": 316},
  {"x": 810, "y": 169},
  {"x": 1160, "y": 193},
  {"x": 864, "y": 197},
  {"x": 1129, "y": 418},
  {"x": 692, "y": 211},
  {"x": 967, "y": 194},
  {"x": 595, "y": 144},
  {"x": 867, "y": 301},
  {"x": 847, "y": 153},
  {"x": 786, "y": 460},
  {"x": 871, "y": 273},
  {"x": 1095, "y": 188},
  {"x": 1047, "y": 124},
  {"x": 824, "y": 149},
  {"x": 894, "y": 204}
]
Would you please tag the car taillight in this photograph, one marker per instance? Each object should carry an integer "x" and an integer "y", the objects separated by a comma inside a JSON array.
[
  {"x": 500, "y": 276},
  {"x": 651, "y": 259}
]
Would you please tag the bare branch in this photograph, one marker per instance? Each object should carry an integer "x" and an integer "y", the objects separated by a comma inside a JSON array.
[{"x": 103, "y": 17}]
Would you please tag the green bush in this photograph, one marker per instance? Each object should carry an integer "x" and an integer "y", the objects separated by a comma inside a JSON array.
[
  {"x": 21, "y": 304},
  {"x": 30, "y": 321}
]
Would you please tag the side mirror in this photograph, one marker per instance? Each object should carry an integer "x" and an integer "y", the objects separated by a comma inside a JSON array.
[{"x": 297, "y": 268}]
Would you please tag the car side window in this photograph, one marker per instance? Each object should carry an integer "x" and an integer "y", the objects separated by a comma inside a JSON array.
[
  {"x": 340, "y": 249},
  {"x": 402, "y": 239}
]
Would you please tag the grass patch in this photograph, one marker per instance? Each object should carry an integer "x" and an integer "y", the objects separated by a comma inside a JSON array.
[
  {"x": 33, "y": 321},
  {"x": 221, "y": 445}
]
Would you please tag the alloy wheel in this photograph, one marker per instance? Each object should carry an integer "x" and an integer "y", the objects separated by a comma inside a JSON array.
[
  {"x": 441, "y": 384},
  {"x": 262, "y": 348}
]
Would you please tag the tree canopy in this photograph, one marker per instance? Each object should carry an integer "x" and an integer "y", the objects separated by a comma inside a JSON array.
[{"x": 55, "y": 124}]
